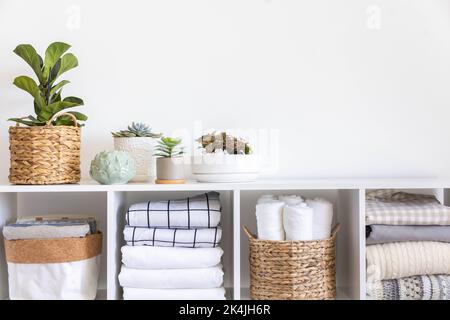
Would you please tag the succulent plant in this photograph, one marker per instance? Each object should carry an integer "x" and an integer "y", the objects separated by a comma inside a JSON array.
[
  {"x": 136, "y": 130},
  {"x": 46, "y": 93},
  {"x": 169, "y": 148},
  {"x": 221, "y": 141}
]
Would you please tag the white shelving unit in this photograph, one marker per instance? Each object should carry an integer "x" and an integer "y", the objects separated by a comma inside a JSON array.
[{"x": 108, "y": 204}]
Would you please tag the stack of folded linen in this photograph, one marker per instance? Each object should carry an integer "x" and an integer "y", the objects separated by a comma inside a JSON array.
[
  {"x": 172, "y": 250},
  {"x": 52, "y": 258},
  {"x": 290, "y": 217},
  {"x": 408, "y": 246}
]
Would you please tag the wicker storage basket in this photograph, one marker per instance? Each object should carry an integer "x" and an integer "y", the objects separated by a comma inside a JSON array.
[
  {"x": 292, "y": 270},
  {"x": 45, "y": 155},
  {"x": 62, "y": 268}
]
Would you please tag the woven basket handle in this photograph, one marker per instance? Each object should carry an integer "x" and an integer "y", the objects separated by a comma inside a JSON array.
[
  {"x": 248, "y": 233},
  {"x": 60, "y": 114},
  {"x": 335, "y": 230}
]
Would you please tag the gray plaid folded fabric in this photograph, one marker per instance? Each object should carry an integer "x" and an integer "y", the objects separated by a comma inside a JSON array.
[{"x": 393, "y": 207}]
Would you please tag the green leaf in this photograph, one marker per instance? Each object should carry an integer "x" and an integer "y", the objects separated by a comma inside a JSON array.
[
  {"x": 68, "y": 62},
  {"x": 54, "y": 72},
  {"x": 58, "y": 86},
  {"x": 56, "y": 97},
  {"x": 30, "y": 86},
  {"x": 29, "y": 54},
  {"x": 58, "y": 106},
  {"x": 79, "y": 115},
  {"x": 29, "y": 123},
  {"x": 52, "y": 55},
  {"x": 76, "y": 101}
]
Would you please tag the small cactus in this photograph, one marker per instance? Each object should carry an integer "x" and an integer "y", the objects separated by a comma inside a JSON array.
[{"x": 136, "y": 130}]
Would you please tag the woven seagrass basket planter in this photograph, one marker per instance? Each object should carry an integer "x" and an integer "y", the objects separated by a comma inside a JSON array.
[
  {"x": 46, "y": 154},
  {"x": 293, "y": 270}
]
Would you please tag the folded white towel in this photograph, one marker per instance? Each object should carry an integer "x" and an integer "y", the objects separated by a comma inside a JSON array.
[
  {"x": 323, "y": 218},
  {"x": 188, "y": 238},
  {"x": 198, "y": 278},
  {"x": 298, "y": 222},
  {"x": 202, "y": 211},
  {"x": 290, "y": 199},
  {"x": 266, "y": 198},
  {"x": 45, "y": 231},
  {"x": 173, "y": 294},
  {"x": 146, "y": 257},
  {"x": 269, "y": 219}
]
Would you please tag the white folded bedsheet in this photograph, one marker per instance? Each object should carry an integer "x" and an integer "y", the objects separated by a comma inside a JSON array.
[
  {"x": 173, "y": 294},
  {"x": 187, "y": 238},
  {"x": 201, "y": 211},
  {"x": 197, "y": 278},
  {"x": 146, "y": 257}
]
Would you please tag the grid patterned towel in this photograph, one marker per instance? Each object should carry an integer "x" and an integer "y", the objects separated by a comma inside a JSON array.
[
  {"x": 188, "y": 238},
  {"x": 425, "y": 287},
  {"x": 202, "y": 211},
  {"x": 400, "y": 208}
]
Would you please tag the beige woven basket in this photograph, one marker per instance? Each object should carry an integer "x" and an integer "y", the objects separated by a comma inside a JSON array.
[
  {"x": 293, "y": 270},
  {"x": 45, "y": 155}
]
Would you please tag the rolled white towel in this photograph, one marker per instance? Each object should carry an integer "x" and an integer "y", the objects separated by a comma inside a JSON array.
[
  {"x": 269, "y": 220},
  {"x": 290, "y": 199},
  {"x": 198, "y": 278},
  {"x": 266, "y": 198},
  {"x": 173, "y": 294},
  {"x": 147, "y": 257},
  {"x": 298, "y": 222},
  {"x": 323, "y": 218}
]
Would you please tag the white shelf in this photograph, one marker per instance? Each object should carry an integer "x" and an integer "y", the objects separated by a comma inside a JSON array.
[
  {"x": 280, "y": 184},
  {"x": 108, "y": 204}
]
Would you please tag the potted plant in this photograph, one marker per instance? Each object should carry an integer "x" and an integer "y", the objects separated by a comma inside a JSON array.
[
  {"x": 47, "y": 149},
  {"x": 169, "y": 161},
  {"x": 138, "y": 141},
  {"x": 224, "y": 158}
]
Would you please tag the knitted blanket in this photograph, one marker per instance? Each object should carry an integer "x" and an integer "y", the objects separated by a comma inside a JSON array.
[
  {"x": 405, "y": 259},
  {"x": 425, "y": 287}
]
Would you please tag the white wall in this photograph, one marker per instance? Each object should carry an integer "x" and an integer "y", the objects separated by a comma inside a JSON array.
[{"x": 354, "y": 87}]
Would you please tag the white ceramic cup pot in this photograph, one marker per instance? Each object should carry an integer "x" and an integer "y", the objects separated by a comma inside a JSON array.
[{"x": 141, "y": 149}]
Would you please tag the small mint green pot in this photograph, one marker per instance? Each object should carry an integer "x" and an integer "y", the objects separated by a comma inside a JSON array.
[{"x": 113, "y": 167}]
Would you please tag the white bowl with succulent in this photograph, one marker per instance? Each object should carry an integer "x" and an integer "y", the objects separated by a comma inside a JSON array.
[
  {"x": 224, "y": 158},
  {"x": 139, "y": 141}
]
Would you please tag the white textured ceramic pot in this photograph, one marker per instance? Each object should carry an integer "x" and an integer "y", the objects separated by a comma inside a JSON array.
[
  {"x": 141, "y": 149},
  {"x": 220, "y": 167},
  {"x": 170, "y": 168}
]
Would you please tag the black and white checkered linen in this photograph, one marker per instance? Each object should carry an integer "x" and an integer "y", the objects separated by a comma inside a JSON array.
[
  {"x": 189, "y": 238},
  {"x": 202, "y": 211},
  {"x": 391, "y": 207}
]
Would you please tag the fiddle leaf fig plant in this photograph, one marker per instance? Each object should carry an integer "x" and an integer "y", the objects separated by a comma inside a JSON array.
[{"x": 47, "y": 92}]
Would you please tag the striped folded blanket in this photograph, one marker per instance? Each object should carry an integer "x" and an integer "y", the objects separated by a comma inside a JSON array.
[
  {"x": 201, "y": 211},
  {"x": 400, "y": 208},
  {"x": 424, "y": 287}
]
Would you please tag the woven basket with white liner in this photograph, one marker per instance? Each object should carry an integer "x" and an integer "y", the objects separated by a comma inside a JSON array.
[
  {"x": 62, "y": 268},
  {"x": 45, "y": 154},
  {"x": 293, "y": 270}
]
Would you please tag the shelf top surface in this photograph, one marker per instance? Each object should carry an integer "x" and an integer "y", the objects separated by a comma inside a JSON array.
[{"x": 272, "y": 184}]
